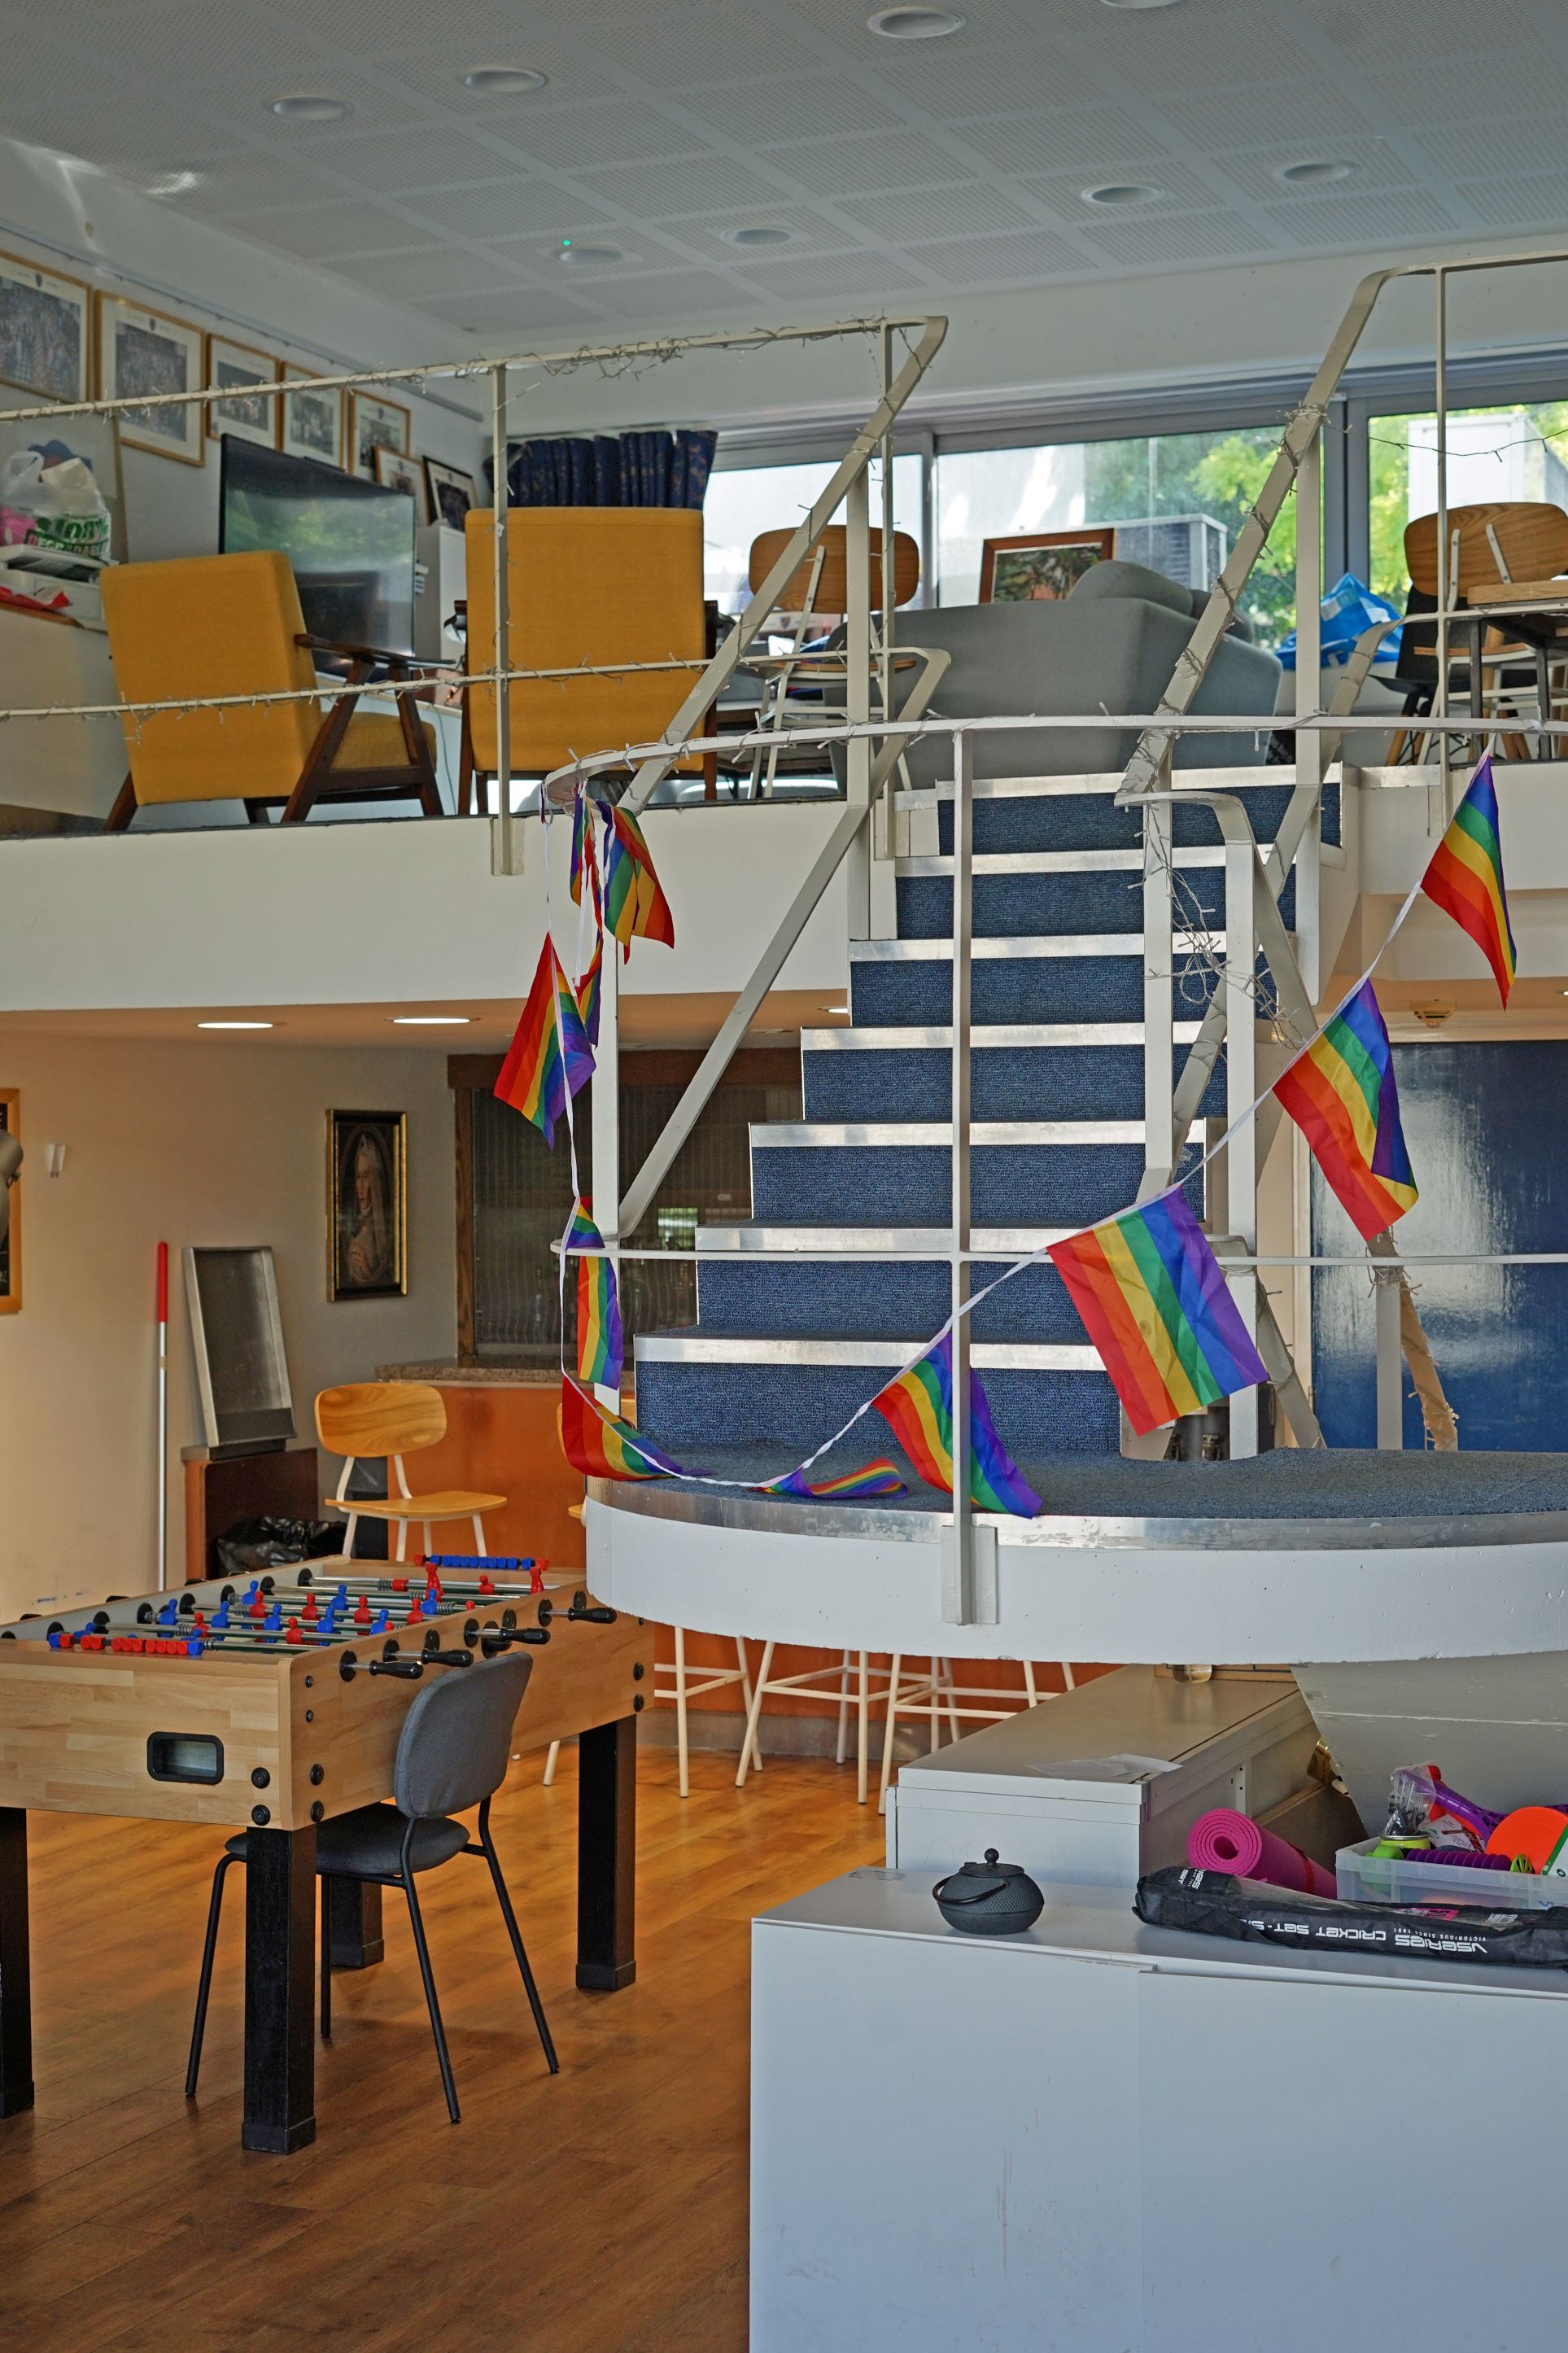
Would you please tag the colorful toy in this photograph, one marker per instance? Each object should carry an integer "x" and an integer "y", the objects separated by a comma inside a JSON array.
[
  {"x": 1533, "y": 1838},
  {"x": 1224, "y": 1839}
]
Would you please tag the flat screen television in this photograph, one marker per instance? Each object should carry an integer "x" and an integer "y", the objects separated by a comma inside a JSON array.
[{"x": 351, "y": 542}]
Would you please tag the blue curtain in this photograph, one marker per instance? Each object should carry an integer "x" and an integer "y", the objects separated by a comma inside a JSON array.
[{"x": 628, "y": 469}]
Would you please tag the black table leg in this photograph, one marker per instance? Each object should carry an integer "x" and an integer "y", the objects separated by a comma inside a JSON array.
[
  {"x": 353, "y": 1912},
  {"x": 606, "y": 1855},
  {"x": 279, "y": 1984},
  {"x": 15, "y": 1969}
]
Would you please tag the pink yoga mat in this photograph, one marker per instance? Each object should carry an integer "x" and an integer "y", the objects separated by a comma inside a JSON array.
[{"x": 1225, "y": 1840}]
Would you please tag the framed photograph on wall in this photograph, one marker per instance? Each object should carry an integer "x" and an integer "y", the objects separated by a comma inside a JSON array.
[
  {"x": 142, "y": 351},
  {"x": 312, "y": 422},
  {"x": 11, "y": 1245},
  {"x": 45, "y": 331},
  {"x": 393, "y": 471},
  {"x": 451, "y": 493},
  {"x": 1041, "y": 564},
  {"x": 376, "y": 424},
  {"x": 249, "y": 420},
  {"x": 367, "y": 1204}
]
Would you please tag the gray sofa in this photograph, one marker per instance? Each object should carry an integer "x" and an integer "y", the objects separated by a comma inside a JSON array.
[{"x": 1111, "y": 645}]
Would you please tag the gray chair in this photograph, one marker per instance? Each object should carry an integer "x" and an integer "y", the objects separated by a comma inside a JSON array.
[{"x": 452, "y": 1754}]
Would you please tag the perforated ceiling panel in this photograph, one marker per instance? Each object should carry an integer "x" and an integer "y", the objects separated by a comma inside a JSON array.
[{"x": 916, "y": 169}]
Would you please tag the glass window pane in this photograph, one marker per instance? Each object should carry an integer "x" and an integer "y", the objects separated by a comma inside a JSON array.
[
  {"x": 1516, "y": 449},
  {"x": 1182, "y": 497},
  {"x": 749, "y": 500}
]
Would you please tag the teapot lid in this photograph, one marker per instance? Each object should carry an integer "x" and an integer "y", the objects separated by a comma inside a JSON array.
[{"x": 991, "y": 1868}]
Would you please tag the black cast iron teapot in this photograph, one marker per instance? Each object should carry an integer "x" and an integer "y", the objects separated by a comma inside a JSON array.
[{"x": 989, "y": 1898}]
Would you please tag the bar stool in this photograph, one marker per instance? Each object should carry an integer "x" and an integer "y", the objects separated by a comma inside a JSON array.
[
  {"x": 937, "y": 1694},
  {"x": 681, "y": 1688},
  {"x": 808, "y": 1685}
]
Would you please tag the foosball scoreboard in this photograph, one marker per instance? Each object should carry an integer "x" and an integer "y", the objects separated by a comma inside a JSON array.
[{"x": 267, "y": 1705}]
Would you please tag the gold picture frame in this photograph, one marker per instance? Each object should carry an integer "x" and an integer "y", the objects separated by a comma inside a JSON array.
[
  {"x": 393, "y": 471},
  {"x": 311, "y": 424},
  {"x": 1042, "y": 564},
  {"x": 249, "y": 417},
  {"x": 142, "y": 350},
  {"x": 37, "y": 309},
  {"x": 374, "y": 422},
  {"x": 367, "y": 1204},
  {"x": 11, "y": 1246}
]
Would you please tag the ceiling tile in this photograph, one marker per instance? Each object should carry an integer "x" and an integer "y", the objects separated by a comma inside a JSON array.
[
  {"x": 145, "y": 135},
  {"x": 542, "y": 255},
  {"x": 1468, "y": 91},
  {"x": 801, "y": 107},
  {"x": 387, "y": 161},
  {"x": 952, "y": 80},
  {"x": 936, "y": 212},
  {"x": 1193, "y": 47},
  {"x": 681, "y": 294},
  {"x": 241, "y": 181},
  {"x": 1016, "y": 19},
  {"x": 667, "y": 50},
  {"x": 523, "y": 312},
  {"x": 896, "y": 159},
  {"x": 507, "y": 208},
  {"x": 834, "y": 274},
  {"x": 1236, "y": 114},
  {"x": 1351, "y": 221},
  {"x": 1368, "y": 36},
  {"x": 430, "y": 269},
  {"x": 1155, "y": 242},
  {"x": 1037, "y": 142},
  {"x": 809, "y": 230},
  {"x": 316, "y": 231},
  {"x": 699, "y": 183},
  {"x": 977, "y": 260},
  {"x": 1538, "y": 200},
  {"x": 192, "y": 42},
  {"x": 1377, "y": 166},
  {"x": 577, "y": 137},
  {"x": 1063, "y": 191}
]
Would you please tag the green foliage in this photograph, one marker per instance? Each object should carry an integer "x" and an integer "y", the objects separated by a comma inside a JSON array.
[{"x": 1203, "y": 473}]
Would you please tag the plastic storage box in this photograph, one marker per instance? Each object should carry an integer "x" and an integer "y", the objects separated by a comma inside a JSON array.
[{"x": 1362, "y": 1877}]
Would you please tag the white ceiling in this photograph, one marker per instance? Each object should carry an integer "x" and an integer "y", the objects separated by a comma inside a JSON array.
[{"x": 909, "y": 172}]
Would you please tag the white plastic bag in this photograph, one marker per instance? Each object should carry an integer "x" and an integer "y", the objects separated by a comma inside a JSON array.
[{"x": 49, "y": 501}]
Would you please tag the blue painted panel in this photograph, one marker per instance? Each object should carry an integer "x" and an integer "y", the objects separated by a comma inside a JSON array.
[{"x": 1486, "y": 1132}]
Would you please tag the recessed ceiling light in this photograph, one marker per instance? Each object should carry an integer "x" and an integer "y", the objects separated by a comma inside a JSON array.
[
  {"x": 431, "y": 1020},
  {"x": 1122, "y": 192},
  {"x": 757, "y": 233},
  {"x": 915, "y": 24},
  {"x": 309, "y": 105},
  {"x": 1313, "y": 172},
  {"x": 171, "y": 183},
  {"x": 573, "y": 256},
  {"x": 504, "y": 82},
  {"x": 1142, "y": 4},
  {"x": 236, "y": 1025}
]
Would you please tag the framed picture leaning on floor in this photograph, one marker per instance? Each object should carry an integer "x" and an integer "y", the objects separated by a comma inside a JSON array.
[{"x": 367, "y": 1204}]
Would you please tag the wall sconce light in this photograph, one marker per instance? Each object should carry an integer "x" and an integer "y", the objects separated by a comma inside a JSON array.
[{"x": 55, "y": 1158}]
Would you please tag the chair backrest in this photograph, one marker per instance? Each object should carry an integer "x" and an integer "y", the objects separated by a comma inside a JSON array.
[
  {"x": 586, "y": 585},
  {"x": 832, "y": 592},
  {"x": 1531, "y": 534},
  {"x": 211, "y": 624},
  {"x": 456, "y": 1737},
  {"x": 380, "y": 1417}
]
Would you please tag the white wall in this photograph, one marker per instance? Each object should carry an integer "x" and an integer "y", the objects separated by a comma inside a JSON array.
[{"x": 219, "y": 1141}]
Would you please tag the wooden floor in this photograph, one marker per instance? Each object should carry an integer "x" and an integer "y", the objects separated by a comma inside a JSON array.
[{"x": 600, "y": 2212}]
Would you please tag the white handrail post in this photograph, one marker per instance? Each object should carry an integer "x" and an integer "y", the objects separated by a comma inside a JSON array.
[
  {"x": 1385, "y": 1286},
  {"x": 1159, "y": 992},
  {"x": 858, "y": 691},
  {"x": 969, "y": 1589},
  {"x": 506, "y": 847},
  {"x": 607, "y": 1129},
  {"x": 1308, "y": 694},
  {"x": 1240, "y": 1090},
  {"x": 1447, "y": 579}
]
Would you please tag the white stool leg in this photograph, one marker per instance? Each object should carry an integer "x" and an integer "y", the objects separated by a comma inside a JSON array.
[
  {"x": 550, "y": 1762},
  {"x": 746, "y": 1697},
  {"x": 750, "y": 1750},
  {"x": 843, "y": 1708},
  {"x": 1067, "y": 1676},
  {"x": 888, "y": 1733},
  {"x": 349, "y": 1533},
  {"x": 479, "y": 1537},
  {"x": 951, "y": 1687},
  {"x": 862, "y": 1735},
  {"x": 430, "y": 1539},
  {"x": 402, "y": 1539},
  {"x": 680, "y": 1708},
  {"x": 1029, "y": 1683},
  {"x": 933, "y": 1703}
]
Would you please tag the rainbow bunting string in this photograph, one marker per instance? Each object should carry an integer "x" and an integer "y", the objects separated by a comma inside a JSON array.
[
  {"x": 549, "y": 1057},
  {"x": 582, "y": 845},
  {"x": 635, "y": 905},
  {"x": 600, "y": 1347},
  {"x": 587, "y": 993},
  {"x": 1155, "y": 1302},
  {"x": 879, "y": 1478},
  {"x": 1342, "y": 1093},
  {"x": 602, "y": 1446},
  {"x": 917, "y": 1409},
  {"x": 1465, "y": 877}
]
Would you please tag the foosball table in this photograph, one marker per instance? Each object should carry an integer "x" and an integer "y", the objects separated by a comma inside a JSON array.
[{"x": 267, "y": 1705}]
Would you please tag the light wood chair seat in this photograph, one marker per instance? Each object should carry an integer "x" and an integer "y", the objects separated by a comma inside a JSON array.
[{"x": 394, "y": 1418}]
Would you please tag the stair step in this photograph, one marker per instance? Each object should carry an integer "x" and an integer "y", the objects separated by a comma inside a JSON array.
[
  {"x": 1066, "y": 978},
  {"x": 1087, "y": 1070},
  {"x": 687, "y": 1404},
  {"x": 739, "y": 1293},
  {"x": 1058, "y": 861},
  {"x": 791, "y": 1134},
  {"x": 1021, "y": 1172},
  {"x": 1024, "y": 898},
  {"x": 722, "y": 1348},
  {"x": 1080, "y": 812},
  {"x": 983, "y": 1037}
]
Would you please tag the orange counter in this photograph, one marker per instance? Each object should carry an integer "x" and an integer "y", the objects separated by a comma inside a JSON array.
[{"x": 500, "y": 1437}]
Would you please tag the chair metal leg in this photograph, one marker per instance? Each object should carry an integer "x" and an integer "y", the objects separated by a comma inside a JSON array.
[
  {"x": 750, "y": 1746},
  {"x": 209, "y": 1950},
  {"x": 548, "y": 1776},
  {"x": 323, "y": 1897},
  {"x": 510, "y": 1917},
  {"x": 746, "y": 1693},
  {"x": 431, "y": 2004}
]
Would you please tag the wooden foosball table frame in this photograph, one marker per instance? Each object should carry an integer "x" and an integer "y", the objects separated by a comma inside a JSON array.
[{"x": 295, "y": 1735}]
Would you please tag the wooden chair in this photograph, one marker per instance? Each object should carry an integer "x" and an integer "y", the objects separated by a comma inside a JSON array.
[
  {"x": 394, "y": 1418},
  {"x": 1491, "y": 546},
  {"x": 817, "y": 592},
  {"x": 585, "y": 584},
  {"x": 231, "y": 625}
]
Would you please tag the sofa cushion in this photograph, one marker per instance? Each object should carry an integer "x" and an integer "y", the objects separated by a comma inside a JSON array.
[{"x": 1114, "y": 578}]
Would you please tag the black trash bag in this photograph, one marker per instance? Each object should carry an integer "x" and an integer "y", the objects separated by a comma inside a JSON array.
[
  {"x": 251, "y": 1545},
  {"x": 1218, "y": 1904}
]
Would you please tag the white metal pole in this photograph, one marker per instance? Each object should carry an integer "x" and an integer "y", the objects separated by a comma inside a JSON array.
[
  {"x": 858, "y": 691},
  {"x": 1390, "y": 1379},
  {"x": 1308, "y": 696},
  {"x": 959, "y": 1599},
  {"x": 1446, "y": 583},
  {"x": 161, "y": 1464},
  {"x": 504, "y": 860},
  {"x": 1241, "y": 1087}
]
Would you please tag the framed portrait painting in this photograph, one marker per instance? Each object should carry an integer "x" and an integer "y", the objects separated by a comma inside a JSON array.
[
  {"x": 253, "y": 420},
  {"x": 376, "y": 424},
  {"x": 1041, "y": 564},
  {"x": 11, "y": 1240},
  {"x": 451, "y": 493},
  {"x": 45, "y": 331},
  {"x": 312, "y": 422},
  {"x": 367, "y": 1204},
  {"x": 393, "y": 471},
  {"x": 147, "y": 352}
]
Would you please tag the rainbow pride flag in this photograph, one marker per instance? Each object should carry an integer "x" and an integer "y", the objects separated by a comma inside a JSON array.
[
  {"x": 917, "y": 1409},
  {"x": 600, "y": 1347},
  {"x": 1465, "y": 877},
  {"x": 549, "y": 1057},
  {"x": 635, "y": 905},
  {"x": 602, "y": 1446},
  {"x": 582, "y": 845},
  {"x": 1155, "y": 1302},
  {"x": 1342, "y": 1094},
  {"x": 877, "y": 1478},
  {"x": 587, "y": 993}
]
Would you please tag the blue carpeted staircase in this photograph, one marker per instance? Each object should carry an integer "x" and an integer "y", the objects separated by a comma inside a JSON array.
[{"x": 784, "y": 1349}]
